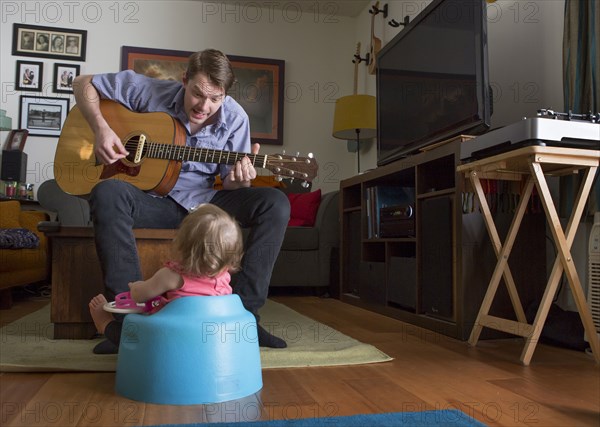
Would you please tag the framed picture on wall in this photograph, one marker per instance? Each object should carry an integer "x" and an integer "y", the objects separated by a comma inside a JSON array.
[
  {"x": 16, "y": 140},
  {"x": 158, "y": 63},
  {"x": 29, "y": 76},
  {"x": 258, "y": 88},
  {"x": 63, "y": 77},
  {"x": 43, "y": 116},
  {"x": 49, "y": 42}
]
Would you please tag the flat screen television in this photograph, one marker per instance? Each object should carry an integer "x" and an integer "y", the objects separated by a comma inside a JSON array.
[{"x": 432, "y": 79}]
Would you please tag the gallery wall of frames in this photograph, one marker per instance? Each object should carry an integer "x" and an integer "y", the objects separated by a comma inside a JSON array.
[
  {"x": 44, "y": 113},
  {"x": 43, "y": 106}
]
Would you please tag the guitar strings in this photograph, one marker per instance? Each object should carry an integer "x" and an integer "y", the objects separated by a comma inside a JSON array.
[
  {"x": 151, "y": 149},
  {"x": 182, "y": 152},
  {"x": 167, "y": 152}
]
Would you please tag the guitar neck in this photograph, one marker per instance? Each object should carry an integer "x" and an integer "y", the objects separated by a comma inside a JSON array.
[
  {"x": 372, "y": 28},
  {"x": 157, "y": 150},
  {"x": 373, "y": 13}
]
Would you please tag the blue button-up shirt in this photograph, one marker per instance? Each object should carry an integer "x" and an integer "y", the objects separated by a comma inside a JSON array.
[{"x": 230, "y": 131}]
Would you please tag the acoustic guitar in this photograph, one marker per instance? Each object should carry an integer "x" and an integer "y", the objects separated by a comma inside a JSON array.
[
  {"x": 375, "y": 42},
  {"x": 156, "y": 143}
]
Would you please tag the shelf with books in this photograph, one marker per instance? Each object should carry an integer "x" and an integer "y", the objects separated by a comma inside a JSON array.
[{"x": 427, "y": 276}]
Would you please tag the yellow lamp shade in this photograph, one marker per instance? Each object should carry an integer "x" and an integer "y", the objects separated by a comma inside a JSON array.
[{"x": 352, "y": 113}]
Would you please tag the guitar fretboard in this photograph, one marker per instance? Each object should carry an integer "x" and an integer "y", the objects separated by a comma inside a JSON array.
[{"x": 183, "y": 153}]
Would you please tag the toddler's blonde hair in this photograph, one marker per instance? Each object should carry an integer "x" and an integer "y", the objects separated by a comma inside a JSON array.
[{"x": 208, "y": 241}]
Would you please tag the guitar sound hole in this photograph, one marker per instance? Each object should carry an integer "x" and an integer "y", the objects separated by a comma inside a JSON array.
[{"x": 131, "y": 146}]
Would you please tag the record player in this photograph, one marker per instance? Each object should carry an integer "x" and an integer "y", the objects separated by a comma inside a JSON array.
[{"x": 549, "y": 128}]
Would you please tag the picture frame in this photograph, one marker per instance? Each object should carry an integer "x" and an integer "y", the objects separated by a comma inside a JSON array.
[
  {"x": 42, "y": 115},
  {"x": 16, "y": 140},
  {"x": 29, "y": 76},
  {"x": 49, "y": 42},
  {"x": 63, "y": 76},
  {"x": 158, "y": 63},
  {"x": 258, "y": 88}
]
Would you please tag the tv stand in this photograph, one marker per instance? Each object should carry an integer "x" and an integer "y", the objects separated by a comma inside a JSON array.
[{"x": 435, "y": 279}]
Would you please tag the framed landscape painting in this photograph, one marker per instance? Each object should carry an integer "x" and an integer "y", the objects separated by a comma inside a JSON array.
[{"x": 259, "y": 90}]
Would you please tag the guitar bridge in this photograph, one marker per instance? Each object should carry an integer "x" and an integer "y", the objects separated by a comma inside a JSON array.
[{"x": 140, "y": 149}]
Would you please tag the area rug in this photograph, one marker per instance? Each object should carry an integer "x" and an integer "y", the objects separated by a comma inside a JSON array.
[
  {"x": 446, "y": 418},
  {"x": 27, "y": 345}
]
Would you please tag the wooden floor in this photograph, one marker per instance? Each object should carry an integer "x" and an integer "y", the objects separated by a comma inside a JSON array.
[{"x": 429, "y": 371}]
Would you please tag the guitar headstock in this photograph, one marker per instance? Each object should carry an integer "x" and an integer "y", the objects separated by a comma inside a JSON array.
[{"x": 284, "y": 165}]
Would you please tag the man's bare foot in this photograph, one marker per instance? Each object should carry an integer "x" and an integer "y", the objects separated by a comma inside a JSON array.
[{"x": 99, "y": 315}]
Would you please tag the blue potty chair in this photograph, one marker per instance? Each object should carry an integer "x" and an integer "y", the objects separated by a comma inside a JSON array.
[{"x": 196, "y": 350}]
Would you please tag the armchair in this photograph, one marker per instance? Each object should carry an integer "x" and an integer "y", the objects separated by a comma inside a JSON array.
[
  {"x": 21, "y": 266},
  {"x": 307, "y": 253}
]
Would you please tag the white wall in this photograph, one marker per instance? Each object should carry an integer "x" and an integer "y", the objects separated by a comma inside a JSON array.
[{"x": 317, "y": 49}]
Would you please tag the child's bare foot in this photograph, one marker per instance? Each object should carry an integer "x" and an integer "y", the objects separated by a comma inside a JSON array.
[{"x": 99, "y": 315}]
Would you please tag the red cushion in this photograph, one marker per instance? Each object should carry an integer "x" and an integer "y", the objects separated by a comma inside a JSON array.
[{"x": 304, "y": 208}]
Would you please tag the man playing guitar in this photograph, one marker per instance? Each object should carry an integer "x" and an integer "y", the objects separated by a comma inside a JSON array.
[{"x": 212, "y": 119}]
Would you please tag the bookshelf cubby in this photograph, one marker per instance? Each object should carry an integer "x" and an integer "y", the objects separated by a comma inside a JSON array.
[{"x": 436, "y": 278}]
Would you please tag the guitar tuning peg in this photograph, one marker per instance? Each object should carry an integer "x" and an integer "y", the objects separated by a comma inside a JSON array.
[
  {"x": 278, "y": 178},
  {"x": 310, "y": 155},
  {"x": 297, "y": 153},
  {"x": 283, "y": 152},
  {"x": 304, "y": 184}
]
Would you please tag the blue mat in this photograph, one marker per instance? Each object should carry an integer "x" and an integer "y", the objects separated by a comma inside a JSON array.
[{"x": 446, "y": 418}]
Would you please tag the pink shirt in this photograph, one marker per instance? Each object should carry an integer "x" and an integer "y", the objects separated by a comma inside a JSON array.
[
  {"x": 195, "y": 286},
  {"x": 202, "y": 286}
]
